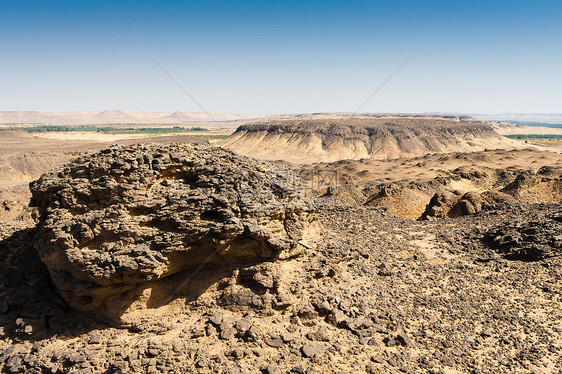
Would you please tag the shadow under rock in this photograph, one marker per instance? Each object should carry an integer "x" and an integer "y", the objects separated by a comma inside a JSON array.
[
  {"x": 218, "y": 279},
  {"x": 31, "y": 307}
]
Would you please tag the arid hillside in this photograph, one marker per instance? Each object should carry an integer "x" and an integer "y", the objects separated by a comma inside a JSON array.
[
  {"x": 323, "y": 138},
  {"x": 404, "y": 187}
]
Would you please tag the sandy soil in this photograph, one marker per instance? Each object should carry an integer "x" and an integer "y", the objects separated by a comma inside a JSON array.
[
  {"x": 405, "y": 186},
  {"x": 89, "y": 136},
  {"x": 424, "y": 168}
]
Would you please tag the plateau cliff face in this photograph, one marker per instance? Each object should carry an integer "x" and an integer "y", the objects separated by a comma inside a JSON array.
[{"x": 383, "y": 137}]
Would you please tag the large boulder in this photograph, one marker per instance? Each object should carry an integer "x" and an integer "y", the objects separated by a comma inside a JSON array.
[
  {"x": 440, "y": 205},
  {"x": 116, "y": 223}
]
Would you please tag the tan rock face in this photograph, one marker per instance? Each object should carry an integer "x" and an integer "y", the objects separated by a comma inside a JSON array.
[
  {"x": 455, "y": 204},
  {"x": 118, "y": 222},
  {"x": 304, "y": 141}
]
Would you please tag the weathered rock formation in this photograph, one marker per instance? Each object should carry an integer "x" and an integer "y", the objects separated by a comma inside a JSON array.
[
  {"x": 377, "y": 137},
  {"x": 543, "y": 186},
  {"x": 451, "y": 204},
  {"x": 530, "y": 238},
  {"x": 116, "y": 223},
  {"x": 527, "y": 187}
]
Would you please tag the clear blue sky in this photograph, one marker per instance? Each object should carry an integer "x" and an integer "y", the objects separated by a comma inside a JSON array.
[{"x": 281, "y": 56}]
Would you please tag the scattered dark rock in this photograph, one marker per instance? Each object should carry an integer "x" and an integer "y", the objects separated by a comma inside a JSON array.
[
  {"x": 390, "y": 341},
  {"x": 274, "y": 341},
  {"x": 486, "y": 333},
  {"x": 385, "y": 270},
  {"x": 532, "y": 238},
  {"x": 216, "y": 318},
  {"x": 403, "y": 340},
  {"x": 321, "y": 334}
]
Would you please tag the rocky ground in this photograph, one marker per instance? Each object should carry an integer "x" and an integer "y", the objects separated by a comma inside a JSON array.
[
  {"x": 369, "y": 293},
  {"x": 377, "y": 294},
  {"x": 406, "y": 186}
]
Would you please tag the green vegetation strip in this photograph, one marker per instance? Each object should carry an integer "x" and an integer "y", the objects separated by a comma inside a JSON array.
[
  {"x": 114, "y": 130},
  {"x": 533, "y": 136},
  {"x": 215, "y": 136}
]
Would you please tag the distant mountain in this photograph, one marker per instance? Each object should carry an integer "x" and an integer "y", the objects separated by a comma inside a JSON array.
[
  {"x": 120, "y": 117},
  {"x": 181, "y": 116},
  {"x": 523, "y": 117},
  {"x": 112, "y": 114},
  {"x": 24, "y": 117}
]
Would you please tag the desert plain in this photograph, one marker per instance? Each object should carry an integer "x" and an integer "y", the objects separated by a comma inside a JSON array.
[{"x": 315, "y": 243}]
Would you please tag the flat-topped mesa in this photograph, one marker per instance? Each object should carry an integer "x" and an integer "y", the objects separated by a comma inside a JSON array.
[
  {"x": 325, "y": 139},
  {"x": 115, "y": 223}
]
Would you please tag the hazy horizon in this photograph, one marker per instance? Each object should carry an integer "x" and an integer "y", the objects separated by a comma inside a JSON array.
[
  {"x": 281, "y": 57},
  {"x": 202, "y": 113}
]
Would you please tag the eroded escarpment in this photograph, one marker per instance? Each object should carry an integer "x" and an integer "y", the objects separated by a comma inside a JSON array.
[
  {"x": 116, "y": 225},
  {"x": 314, "y": 139}
]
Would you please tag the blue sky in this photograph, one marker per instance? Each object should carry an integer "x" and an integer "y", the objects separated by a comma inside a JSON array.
[{"x": 281, "y": 56}]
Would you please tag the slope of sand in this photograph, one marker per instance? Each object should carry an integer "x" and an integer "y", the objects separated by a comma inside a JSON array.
[{"x": 322, "y": 139}]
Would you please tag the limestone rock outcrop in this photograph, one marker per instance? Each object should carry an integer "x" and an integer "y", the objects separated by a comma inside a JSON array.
[
  {"x": 543, "y": 186},
  {"x": 451, "y": 204},
  {"x": 115, "y": 223}
]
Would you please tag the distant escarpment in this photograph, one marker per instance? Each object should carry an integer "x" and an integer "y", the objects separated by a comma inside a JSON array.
[
  {"x": 123, "y": 229},
  {"x": 326, "y": 139}
]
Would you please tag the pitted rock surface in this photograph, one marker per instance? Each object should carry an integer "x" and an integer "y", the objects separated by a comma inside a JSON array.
[
  {"x": 126, "y": 217},
  {"x": 535, "y": 237}
]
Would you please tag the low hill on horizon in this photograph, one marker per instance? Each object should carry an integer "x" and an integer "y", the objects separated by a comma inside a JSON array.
[{"x": 121, "y": 117}]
